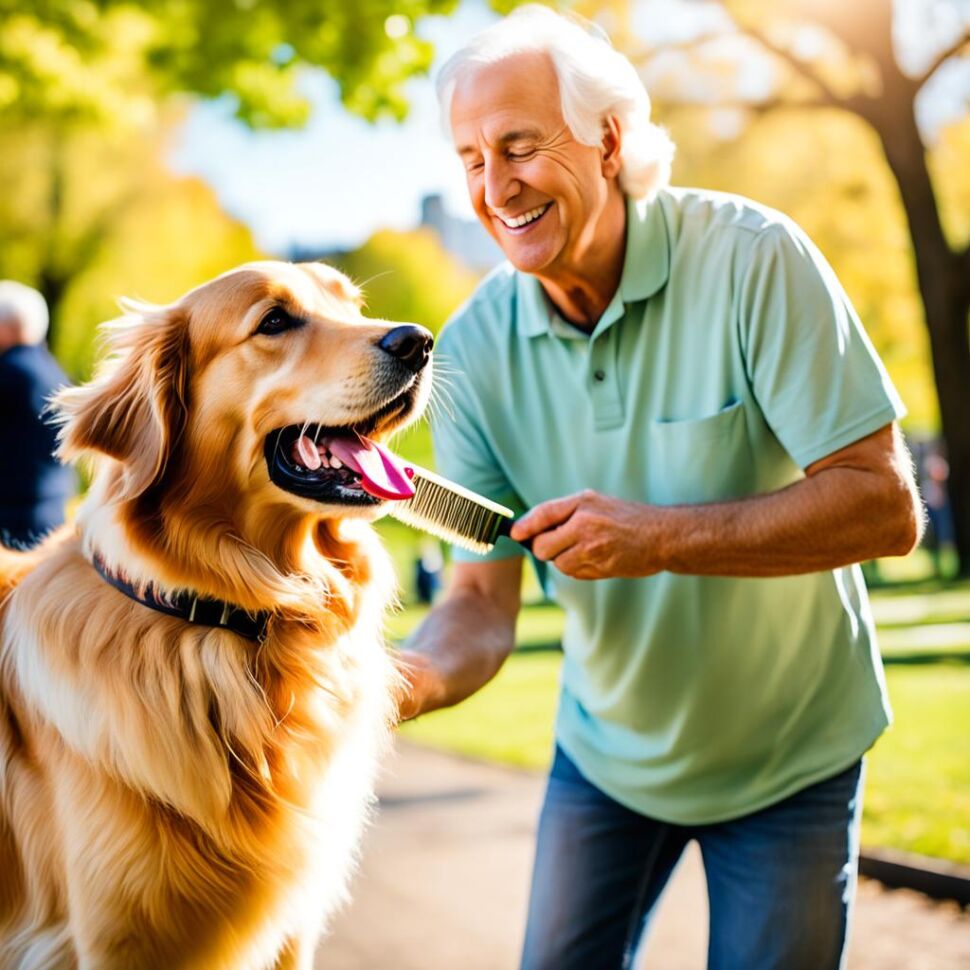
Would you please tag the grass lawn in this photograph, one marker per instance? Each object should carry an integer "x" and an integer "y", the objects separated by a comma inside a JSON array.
[
  {"x": 918, "y": 786},
  {"x": 918, "y": 789}
]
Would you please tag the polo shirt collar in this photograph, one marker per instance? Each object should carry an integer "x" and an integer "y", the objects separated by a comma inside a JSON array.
[{"x": 646, "y": 266}]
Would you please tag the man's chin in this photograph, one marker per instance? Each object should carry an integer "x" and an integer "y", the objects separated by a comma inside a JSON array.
[{"x": 530, "y": 259}]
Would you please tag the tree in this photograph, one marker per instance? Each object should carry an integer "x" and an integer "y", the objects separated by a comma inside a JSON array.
[
  {"x": 107, "y": 60},
  {"x": 850, "y": 64},
  {"x": 73, "y": 72},
  {"x": 91, "y": 215}
]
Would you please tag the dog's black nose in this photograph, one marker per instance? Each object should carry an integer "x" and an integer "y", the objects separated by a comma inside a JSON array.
[{"x": 410, "y": 344}]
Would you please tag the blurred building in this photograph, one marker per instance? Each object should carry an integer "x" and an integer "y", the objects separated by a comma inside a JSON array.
[{"x": 464, "y": 238}]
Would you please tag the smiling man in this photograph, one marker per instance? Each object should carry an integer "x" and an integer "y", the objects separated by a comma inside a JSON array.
[{"x": 673, "y": 389}]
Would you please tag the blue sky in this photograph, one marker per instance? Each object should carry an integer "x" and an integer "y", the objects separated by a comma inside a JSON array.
[{"x": 332, "y": 184}]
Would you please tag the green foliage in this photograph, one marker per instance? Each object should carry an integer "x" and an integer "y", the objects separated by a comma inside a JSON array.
[
  {"x": 918, "y": 784},
  {"x": 949, "y": 168},
  {"x": 113, "y": 60},
  {"x": 169, "y": 239}
]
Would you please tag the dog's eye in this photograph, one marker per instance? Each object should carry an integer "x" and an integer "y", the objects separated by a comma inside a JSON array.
[{"x": 276, "y": 321}]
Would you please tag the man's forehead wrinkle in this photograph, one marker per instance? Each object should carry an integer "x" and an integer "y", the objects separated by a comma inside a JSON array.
[
  {"x": 499, "y": 112},
  {"x": 518, "y": 134}
]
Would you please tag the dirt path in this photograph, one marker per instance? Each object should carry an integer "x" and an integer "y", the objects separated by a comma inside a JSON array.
[{"x": 445, "y": 870}]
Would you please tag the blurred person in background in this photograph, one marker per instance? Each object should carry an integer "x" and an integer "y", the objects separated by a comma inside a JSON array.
[
  {"x": 675, "y": 385},
  {"x": 935, "y": 471},
  {"x": 34, "y": 486},
  {"x": 428, "y": 568}
]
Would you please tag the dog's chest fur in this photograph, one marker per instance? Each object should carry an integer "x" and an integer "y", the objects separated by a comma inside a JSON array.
[{"x": 219, "y": 781}]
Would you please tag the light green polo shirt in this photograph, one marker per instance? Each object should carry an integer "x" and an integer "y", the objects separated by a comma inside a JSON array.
[{"x": 728, "y": 360}]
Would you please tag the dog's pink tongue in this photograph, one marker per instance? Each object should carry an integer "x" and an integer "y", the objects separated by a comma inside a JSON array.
[{"x": 382, "y": 474}]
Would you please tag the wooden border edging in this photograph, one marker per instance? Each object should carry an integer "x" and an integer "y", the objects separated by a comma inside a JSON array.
[{"x": 904, "y": 870}]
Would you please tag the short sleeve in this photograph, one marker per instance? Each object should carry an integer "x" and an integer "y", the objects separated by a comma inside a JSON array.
[
  {"x": 810, "y": 363},
  {"x": 462, "y": 450}
]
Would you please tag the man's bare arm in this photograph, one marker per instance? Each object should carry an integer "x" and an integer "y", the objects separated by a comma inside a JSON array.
[
  {"x": 858, "y": 503},
  {"x": 464, "y": 640}
]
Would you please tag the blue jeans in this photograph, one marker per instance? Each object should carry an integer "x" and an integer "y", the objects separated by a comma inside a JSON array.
[{"x": 780, "y": 881}]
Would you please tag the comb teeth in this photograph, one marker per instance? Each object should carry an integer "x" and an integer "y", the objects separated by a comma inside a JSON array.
[{"x": 452, "y": 513}]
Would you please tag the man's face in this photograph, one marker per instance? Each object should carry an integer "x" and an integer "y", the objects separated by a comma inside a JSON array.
[
  {"x": 10, "y": 331},
  {"x": 535, "y": 188}
]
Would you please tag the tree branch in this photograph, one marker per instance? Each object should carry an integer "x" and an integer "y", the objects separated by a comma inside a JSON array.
[
  {"x": 825, "y": 97},
  {"x": 644, "y": 52},
  {"x": 943, "y": 56},
  {"x": 755, "y": 107},
  {"x": 799, "y": 65}
]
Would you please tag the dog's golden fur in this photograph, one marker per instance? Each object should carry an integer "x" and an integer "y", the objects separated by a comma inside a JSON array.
[{"x": 173, "y": 795}]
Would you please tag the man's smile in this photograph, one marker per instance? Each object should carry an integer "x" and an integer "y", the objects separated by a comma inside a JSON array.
[{"x": 521, "y": 222}]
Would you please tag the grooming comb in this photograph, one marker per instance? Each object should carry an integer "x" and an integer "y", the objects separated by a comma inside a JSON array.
[{"x": 455, "y": 514}]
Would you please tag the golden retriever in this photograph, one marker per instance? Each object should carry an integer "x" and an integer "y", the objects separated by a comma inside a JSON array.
[{"x": 180, "y": 795}]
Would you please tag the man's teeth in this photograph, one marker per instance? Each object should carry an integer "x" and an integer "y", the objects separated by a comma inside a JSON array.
[{"x": 526, "y": 217}]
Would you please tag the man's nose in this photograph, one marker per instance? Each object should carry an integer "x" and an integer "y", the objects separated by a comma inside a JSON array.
[
  {"x": 500, "y": 186},
  {"x": 410, "y": 344}
]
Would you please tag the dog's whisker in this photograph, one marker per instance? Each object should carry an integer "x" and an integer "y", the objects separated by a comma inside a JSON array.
[
  {"x": 376, "y": 276},
  {"x": 276, "y": 447},
  {"x": 444, "y": 366},
  {"x": 441, "y": 402}
]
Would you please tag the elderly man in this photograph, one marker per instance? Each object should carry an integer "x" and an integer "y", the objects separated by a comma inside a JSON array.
[
  {"x": 674, "y": 389},
  {"x": 33, "y": 485}
]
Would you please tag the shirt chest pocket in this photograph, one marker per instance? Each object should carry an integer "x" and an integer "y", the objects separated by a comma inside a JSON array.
[{"x": 703, "y": 459}]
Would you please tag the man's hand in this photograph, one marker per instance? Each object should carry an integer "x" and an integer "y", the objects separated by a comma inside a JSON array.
[
  {"x": 464, "y": 640},
  {"x": 422, "y": 684},
  {"x": 594, "y": 536}
]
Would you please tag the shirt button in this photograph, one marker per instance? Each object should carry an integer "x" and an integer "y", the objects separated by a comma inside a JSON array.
[{"x": 599, "y": 375}]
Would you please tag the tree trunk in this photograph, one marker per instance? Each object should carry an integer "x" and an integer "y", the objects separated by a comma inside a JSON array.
[
  {"x": 946, "y": 302},
  {"x": 51, "y": 281},
  {"x": 52, "y": 286}
]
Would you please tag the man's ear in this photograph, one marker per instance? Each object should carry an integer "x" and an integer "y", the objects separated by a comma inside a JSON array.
[
  {"x": 611, "y": 148},
  {"x": 135, "y": 408}
]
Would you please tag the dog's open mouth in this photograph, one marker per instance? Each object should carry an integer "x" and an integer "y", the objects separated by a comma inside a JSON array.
[{"x": 336, "y": 465}]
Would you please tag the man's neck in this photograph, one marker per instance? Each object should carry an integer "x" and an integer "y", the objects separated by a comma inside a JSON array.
[{"x": 581, "y": 293}]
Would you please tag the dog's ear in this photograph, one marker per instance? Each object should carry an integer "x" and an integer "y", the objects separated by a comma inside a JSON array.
[{"x": 134, "y": 409}]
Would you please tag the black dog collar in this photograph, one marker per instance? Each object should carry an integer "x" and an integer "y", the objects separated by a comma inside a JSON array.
[{"x": 187, "y": 606}]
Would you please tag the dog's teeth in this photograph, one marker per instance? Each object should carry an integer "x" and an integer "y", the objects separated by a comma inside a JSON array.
[
  {"x": 336, "y": 463},
  {"x": 307, "y": 453}
]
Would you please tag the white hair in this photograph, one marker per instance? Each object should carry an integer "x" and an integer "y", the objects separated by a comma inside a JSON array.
[
  {"x": 27, "y": 308},
  {"x": 596, "y": 82}
]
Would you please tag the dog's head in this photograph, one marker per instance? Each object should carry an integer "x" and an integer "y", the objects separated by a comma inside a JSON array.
[{"x": 266, "y": 387}]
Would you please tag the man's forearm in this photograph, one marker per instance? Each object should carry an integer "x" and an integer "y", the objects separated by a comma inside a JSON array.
[
  {"x": 855, "y": 504},
  {"x": 837, "y": 517},
  {"x": 457, "y": 649}
]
